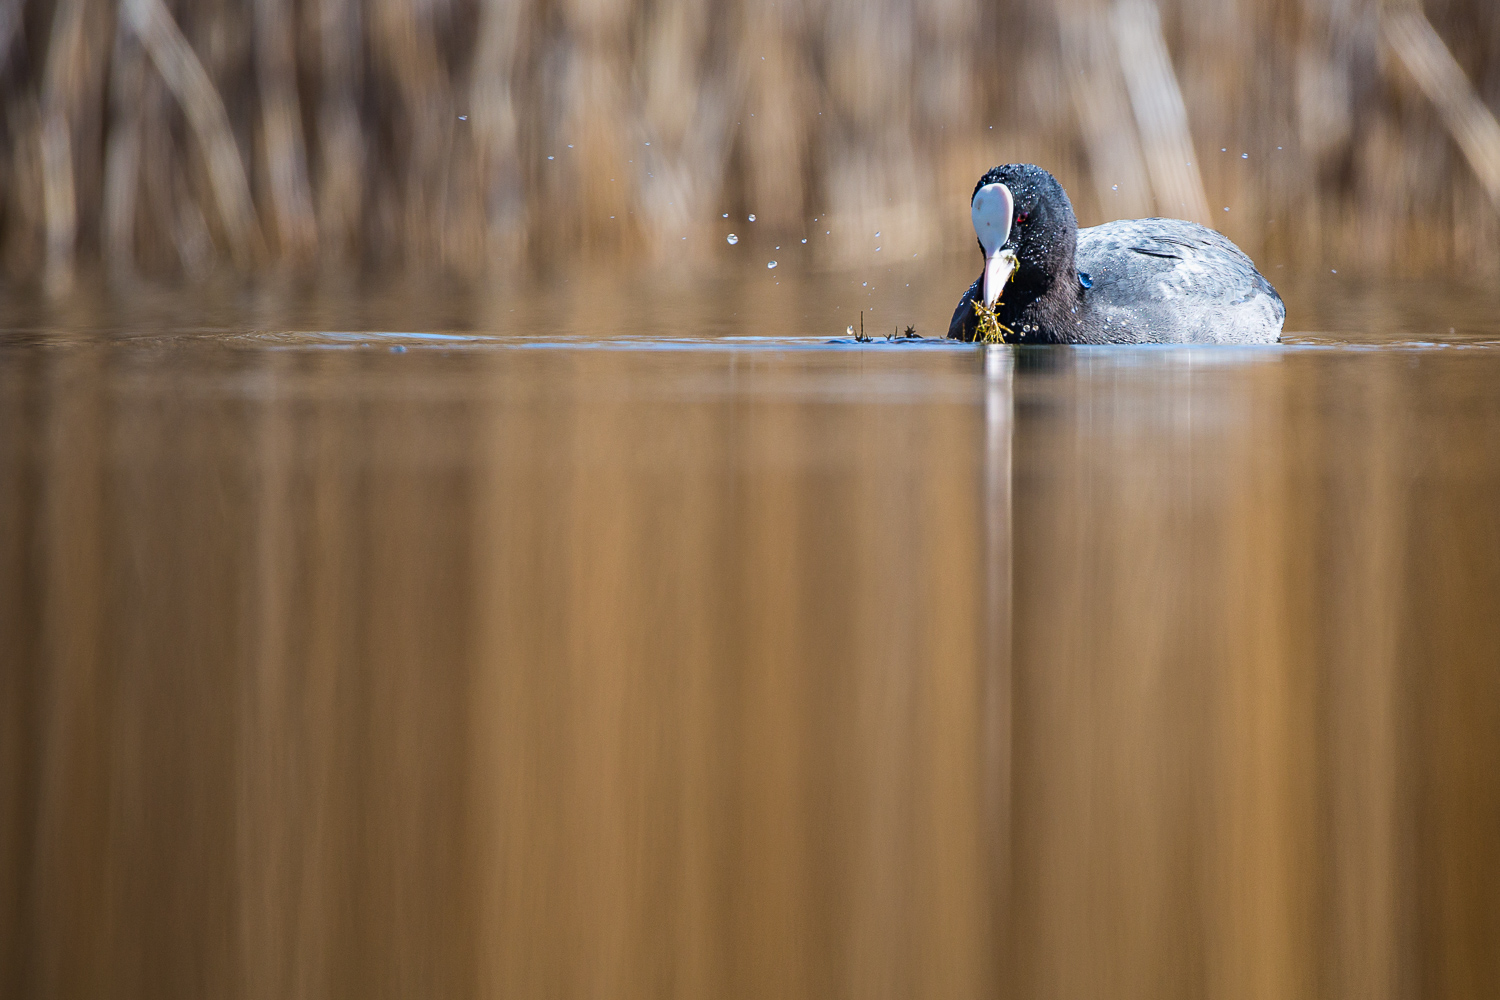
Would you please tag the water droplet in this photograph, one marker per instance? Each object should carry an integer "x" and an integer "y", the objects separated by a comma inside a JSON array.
[
  {"x": 877, "y": 249},
  {"x": 1224, "y": 149},
  {"x": 752, "y": 216},
  {"x": 778, "y": 248},
  {"x": 1244, "y": 156},
  {"x": 850, "y": 330},
  {"x": 804, "y": 241},
  {"x": 877, "y": 234},
  {"x": 726, "y": 215},
  {"x": 463, "y": 118},
  {"x": 770, "y": 265},
  {"x": 648, "y": 143},
  {"x": 549, "y": 157},
  {"x": 1117, "y": 187},
  {"x": 864, "y": 284},
  {"x": 733, "y": 239},
  {"x": 1335, "y": 270},
  {"x": 1226, "y": 208}
]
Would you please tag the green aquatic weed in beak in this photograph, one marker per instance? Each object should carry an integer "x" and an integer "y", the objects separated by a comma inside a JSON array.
[{"x": 989, "y": 329}]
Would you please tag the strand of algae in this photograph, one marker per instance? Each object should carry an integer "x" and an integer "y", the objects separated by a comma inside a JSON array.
[{"x": 990, "y": 330}]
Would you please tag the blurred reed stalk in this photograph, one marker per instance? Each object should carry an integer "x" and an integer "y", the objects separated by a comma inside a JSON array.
[
  {"x": 1160, "y": 112},
  {"x": 1442, "y": 79},
  {"x": 476, "y": 136}
]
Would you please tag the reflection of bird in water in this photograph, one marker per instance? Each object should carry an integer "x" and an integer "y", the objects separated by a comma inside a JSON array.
[{"x": 1045, "y": 281}]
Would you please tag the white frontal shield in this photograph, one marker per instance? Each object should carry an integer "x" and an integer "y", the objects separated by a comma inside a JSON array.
[{"x": 992, "y": 210}]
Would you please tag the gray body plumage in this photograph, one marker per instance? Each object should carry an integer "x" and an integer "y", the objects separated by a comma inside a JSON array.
[{"x": 1174, "y": 282}]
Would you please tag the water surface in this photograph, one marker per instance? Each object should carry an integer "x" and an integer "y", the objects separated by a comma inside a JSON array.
[{"x": 394, "y": 649}]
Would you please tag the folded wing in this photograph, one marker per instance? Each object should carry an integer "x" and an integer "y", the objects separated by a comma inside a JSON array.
[{"x": 1170, "y": 281}]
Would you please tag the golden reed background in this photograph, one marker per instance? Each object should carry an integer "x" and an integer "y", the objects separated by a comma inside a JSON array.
[
  {"x": 161, "y": 138},
  {"x": 643, "y": 674}
]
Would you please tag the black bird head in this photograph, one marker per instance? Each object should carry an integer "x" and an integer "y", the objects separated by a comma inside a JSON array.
[{"x": 1026, "y": 229}]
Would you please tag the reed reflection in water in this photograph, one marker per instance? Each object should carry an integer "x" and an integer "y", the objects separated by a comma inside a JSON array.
[{"x": 716, "y": 673}]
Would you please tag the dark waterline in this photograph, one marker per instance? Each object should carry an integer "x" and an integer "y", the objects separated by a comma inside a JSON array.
[{"x": 599, "y": 653}]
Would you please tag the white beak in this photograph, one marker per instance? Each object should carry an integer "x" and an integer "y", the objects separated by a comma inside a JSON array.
[
  {"x": 992, "y": 209},
  {"x": 998, "y": 267}
]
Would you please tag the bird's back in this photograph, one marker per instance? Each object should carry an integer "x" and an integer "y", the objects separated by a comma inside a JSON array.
[{"x": 1171, "y": 281}]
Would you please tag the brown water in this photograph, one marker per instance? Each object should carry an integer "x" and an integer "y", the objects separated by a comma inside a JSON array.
[{"x": 580, "y": 654}]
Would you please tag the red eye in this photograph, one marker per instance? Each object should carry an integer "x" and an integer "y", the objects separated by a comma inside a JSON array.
[{"x": 1022, "y": 218}]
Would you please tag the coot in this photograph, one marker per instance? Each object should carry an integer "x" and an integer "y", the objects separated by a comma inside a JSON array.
[{"x": 1129, "y": 282}]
